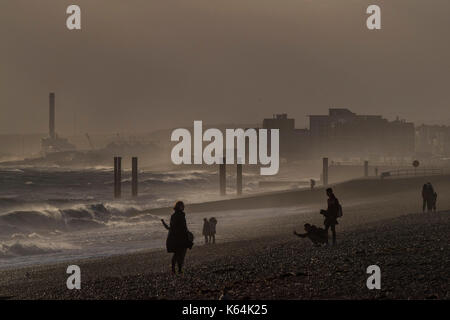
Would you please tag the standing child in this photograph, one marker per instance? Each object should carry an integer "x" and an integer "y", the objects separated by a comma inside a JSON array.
[
  {"x": 434, "y": 201},
  {"x": 206, "y": 229},
  {"x": 212, "y": 230}
]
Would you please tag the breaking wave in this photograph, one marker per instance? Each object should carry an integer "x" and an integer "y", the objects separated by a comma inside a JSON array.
[
  {"x": 28, "y": 247},
  {"x": 78, "y": 217}
]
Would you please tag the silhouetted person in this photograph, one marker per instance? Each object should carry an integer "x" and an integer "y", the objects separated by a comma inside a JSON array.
[
  {"x": 429, "y": 197},
  {"x": 433, "y": 197},
  {"x": 333, "y": 211},
  {"x": 179, "y": 237},
  {"x": 313, "y": 183},
  {"x": 424, "y": 197},
  {"x": 318, "y": 236},
  {"x": 206, "y": 230},
  {"x": 434, "y": 201},
  {"x": 212, "y": 230}
]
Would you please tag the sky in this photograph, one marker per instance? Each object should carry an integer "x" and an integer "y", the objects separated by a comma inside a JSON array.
[{"x": 144, "y": 65}]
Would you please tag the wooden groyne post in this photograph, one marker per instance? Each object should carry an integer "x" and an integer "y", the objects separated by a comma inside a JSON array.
[
  {"x": 134, "y": 176},
  {"x": 325, "y": 171},
  {"x": 117, "y": 177},
  {"x": 239, "y": 179},
  {"x": 223, "y": 178}
]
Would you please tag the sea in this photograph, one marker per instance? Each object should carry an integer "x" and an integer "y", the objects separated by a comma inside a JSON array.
[{"x": 54, "y": 214}]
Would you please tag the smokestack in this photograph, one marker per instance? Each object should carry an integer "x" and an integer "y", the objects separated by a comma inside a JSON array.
[{"x": 51, "y": 116}]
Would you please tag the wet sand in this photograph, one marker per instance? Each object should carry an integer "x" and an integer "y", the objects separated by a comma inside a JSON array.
[{"x": 383, "y": 227}]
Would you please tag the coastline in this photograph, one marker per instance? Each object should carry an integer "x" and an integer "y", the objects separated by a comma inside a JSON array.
[
  {"x": 262, "y": 259},
  {"x": 413, "y": 252},
  {"x": 357, "y": 188}
]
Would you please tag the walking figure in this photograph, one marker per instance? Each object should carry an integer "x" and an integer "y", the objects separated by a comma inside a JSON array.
[
  {"x": 333, "y": 212},
  {"x": 179, "y": 238}
]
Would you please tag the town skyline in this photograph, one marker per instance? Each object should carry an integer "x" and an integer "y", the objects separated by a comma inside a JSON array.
[
  {"x": 157, "y": 66},
  {"x": 301, "y": 122}
]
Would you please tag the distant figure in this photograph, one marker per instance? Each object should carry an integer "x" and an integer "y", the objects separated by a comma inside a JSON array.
[
  {"x": 179, "y": 237},
  {"x": 212, "y": 230},
  {"x": 313, "y": 184},
  {"x": 206, "y": 229},
  {"x": 434, "y": 201},
  {"x": 424, "y": 196},
  {"x": 318, "y": 236},
  {"x": 429, "y": 197},
  {"x": 333, "y": 212},
  {"x": 376, "y": 172}
]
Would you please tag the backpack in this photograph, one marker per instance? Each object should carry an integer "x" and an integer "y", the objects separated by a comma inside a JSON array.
[{"x": 340, "y": 213}]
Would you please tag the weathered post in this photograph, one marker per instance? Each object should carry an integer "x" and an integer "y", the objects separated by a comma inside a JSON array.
[
  {"x": 366, "y": 168},
  {"x": 239, "y": 179},
  {"x": 117, "y": 177},
  {"x": 325, "y": 172},
  {"x": 134, "y": 176},
  {"x": 222, "y": 178}
]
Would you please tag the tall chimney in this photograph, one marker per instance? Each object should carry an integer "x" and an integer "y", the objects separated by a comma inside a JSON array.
[{"x": 51, "y": 116}]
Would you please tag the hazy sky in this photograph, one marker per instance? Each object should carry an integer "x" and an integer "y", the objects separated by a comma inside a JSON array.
[{"x": 140, "y": 65}]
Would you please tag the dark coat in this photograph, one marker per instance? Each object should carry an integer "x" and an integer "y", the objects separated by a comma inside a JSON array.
[
  {"x": 178, "y": 237},
  {"x": 428, "y": 192},
  {"x": 206, "y": 228},
  {"x": 332, "y": 211},
  {"x": 212, "y": 226}
]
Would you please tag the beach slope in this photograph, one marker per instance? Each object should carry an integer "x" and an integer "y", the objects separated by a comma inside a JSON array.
[{"x": 412, "y": 251}]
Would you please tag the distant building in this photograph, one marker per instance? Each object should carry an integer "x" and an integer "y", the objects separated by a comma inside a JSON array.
[
  {"x": 433, "y": 140},
  {"x": 294, "y": 143},
  {"x": 343, "y": 133}
]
